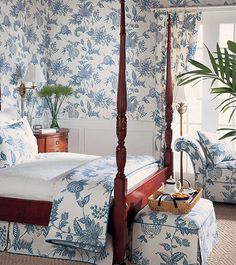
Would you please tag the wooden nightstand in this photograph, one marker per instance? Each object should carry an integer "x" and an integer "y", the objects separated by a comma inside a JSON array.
[{"x": 53, "y": 142}]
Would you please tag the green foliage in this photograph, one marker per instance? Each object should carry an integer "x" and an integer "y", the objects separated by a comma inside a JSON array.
[
  {"x": 56, "y": 90},
  {"x": 55, "y": 96},
  {"x": 223, "y": 70}
]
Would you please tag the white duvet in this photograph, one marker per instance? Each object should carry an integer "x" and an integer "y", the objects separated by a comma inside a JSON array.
[{"x": 35, "y": 180}]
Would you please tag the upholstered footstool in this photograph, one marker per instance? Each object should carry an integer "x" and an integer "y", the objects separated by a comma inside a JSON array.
[{"x": 165, "y": 238}]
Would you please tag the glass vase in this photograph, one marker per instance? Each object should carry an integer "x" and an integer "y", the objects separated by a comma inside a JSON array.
[{"x": 54, "y": 123}]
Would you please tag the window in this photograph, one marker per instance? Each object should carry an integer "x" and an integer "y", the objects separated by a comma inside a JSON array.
[{"x": 217, "y": 26}]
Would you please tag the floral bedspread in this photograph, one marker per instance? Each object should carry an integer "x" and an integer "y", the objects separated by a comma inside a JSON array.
[{"x": 80, "y": 209}]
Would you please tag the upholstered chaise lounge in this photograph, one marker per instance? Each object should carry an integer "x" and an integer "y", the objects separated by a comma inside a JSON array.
[{"x": 214, "y": 167}]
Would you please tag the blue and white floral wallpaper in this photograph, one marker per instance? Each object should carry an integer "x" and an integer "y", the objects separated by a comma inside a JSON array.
[
  {"x": 147, "y": 4},
  {"x": 84, "y": 53},
  {"x": 77, "y": 43},
  {"x": 23, "y": 28}
]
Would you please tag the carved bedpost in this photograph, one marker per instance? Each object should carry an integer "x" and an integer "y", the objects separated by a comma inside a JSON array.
[
  {"x": 120, "y": 184},
  {"x": 168, "y": 156}
]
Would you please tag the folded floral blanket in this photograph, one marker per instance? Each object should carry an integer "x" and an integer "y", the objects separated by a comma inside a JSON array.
[{"x": 80, "y": 209}]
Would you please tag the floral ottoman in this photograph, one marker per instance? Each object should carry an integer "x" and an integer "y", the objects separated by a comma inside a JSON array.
[{"x": 165, "y": 238}]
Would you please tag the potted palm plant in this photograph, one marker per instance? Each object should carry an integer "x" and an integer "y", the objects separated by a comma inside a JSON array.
[
  {"x": 55, "y": 96},
  {"x": 223, "y": 70}
]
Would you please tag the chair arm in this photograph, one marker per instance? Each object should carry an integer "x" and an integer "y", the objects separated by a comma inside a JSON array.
[{"x": 192, "y": 148}]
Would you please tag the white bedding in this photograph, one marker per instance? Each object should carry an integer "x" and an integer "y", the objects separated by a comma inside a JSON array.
[{"x": 35, "y": 180}]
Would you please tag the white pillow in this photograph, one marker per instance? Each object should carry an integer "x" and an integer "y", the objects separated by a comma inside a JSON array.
[
  {"x": 16, "y": 143},
  {"x": 216, "y": 150},
  {"x": 30, "y": 134},
  {"x": 8, "y": 115}
]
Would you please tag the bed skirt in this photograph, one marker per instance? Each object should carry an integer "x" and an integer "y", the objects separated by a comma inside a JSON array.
[{"x": 30, "y": 240}]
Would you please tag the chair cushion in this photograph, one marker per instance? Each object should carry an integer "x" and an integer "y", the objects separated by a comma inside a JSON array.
[{"x": 216, "y": 150}]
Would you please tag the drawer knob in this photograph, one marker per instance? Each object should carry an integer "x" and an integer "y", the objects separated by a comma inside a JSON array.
[{"x": 57, "y": 142}]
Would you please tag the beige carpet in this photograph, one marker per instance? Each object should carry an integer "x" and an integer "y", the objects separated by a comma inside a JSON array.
[{"x": 223, "y": 254}]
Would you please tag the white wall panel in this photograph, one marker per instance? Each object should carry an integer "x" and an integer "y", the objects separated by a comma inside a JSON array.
[{"x": 98, "y": 137}]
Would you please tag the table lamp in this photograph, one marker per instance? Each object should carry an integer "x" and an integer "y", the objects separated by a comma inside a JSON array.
[{"x": 34, "y": 74}]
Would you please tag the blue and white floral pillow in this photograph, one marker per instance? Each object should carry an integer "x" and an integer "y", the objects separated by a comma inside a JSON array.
[
  {"x": 16, "y": 144},
  {"x": 216, "y": 150}
]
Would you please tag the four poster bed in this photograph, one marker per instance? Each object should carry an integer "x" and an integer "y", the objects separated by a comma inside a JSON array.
[{"x": 125, "y": 202}]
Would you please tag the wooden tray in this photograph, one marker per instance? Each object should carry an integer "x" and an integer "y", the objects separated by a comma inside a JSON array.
[{"x": 181, "y": 206}]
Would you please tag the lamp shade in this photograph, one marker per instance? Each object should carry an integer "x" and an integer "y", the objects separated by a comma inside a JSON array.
[
  {"x": 34, "y": 73},
  {"x": 179, "y": 95}
]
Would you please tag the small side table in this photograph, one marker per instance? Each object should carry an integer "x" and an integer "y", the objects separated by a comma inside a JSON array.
[{"x": 53, "y": 142}]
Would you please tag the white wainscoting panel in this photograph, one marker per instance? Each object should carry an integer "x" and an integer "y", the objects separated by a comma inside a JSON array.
[
  {"x": 98, "y": 137},
  {"x": 140, "y": 142},
  {"x": 99, "y": 141}
]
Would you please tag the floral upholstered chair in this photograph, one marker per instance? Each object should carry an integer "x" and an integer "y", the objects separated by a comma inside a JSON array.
[{"x": 214, "y": 164}]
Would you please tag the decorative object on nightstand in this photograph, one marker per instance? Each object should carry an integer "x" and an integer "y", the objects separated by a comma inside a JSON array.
[
  {"x": 181, "y": 107},
  {"x": 53, "y": 142},
  {"x": 54, "y": 96},
  {"x": 34, "y": 74}
]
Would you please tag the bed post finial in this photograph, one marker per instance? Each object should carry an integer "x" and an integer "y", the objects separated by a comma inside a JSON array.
[
  {"x": 168, "y": 156},
  {"x": 120, "y": 183}
]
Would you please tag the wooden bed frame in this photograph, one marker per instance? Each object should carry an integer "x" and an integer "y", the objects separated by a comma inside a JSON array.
[{"x": 125, "y": 203}]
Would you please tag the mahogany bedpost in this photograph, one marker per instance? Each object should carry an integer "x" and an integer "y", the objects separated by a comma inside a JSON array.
[
  {"x": 168, "y": 156},
  {"x": 120, "y": 183}
]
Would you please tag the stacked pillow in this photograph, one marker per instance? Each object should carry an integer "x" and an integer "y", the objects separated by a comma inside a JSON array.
[
  {"x": 9, "y": 114},
  {"x": 216, "y": 150},
  {"x": 17, "y": 142}
]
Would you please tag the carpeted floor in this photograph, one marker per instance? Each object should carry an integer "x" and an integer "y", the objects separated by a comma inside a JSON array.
[
  {"x": 223, "y": 254},
  {"x": 225, "y": 251}
]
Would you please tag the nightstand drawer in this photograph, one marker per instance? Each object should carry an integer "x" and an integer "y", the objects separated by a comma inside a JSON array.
[
  {"x": 54, "y": 144},
  {"x": 63, "y": 148}
]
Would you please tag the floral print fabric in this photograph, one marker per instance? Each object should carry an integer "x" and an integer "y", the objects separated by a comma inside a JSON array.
[
  {"x": 216, "y": 150},
  {"x": 218, "y": 181},
  {"x": 16, "y": 145},
  {"x": 82, "y": 198},
  {"x": 30, "y": 240},
  {"x": 3, "y": 235},
  {"x": 165, "y": 238}
]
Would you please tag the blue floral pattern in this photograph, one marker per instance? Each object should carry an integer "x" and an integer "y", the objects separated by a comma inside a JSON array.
[
  {"x": 69, "y": 40},
  {"x": 218, "y": 181},
  {"x": 165, "y": 238},
  {"x": 81, "y": 203},
  {"x": 30, "y": 240},
  {"x": 182, "y": 3},
  {"x": 216, "y": 150},
  {"x": 3, "y": 235},
  {"x": 16, "y": 146},
  {"x": 23, "y": 27},
  {"x": 79, "y": 212}
]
